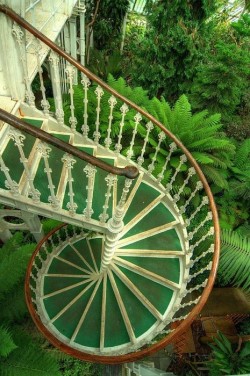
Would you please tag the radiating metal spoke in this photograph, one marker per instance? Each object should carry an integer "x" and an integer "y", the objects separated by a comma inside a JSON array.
[
  {"x": 149, "y": 253},
  {"x": 149, "y": 306},
  {"x": 122, "y": 308},
  {"x": 146, "y": 273},
  {"x": 85, "y": 311},
  {"x": 92, "y": 255},
  {"x": 71, "y": 303},
  {"x": 81, "y": 257},
  {"x": 72, "y": 264},
  {"x": 65, "y": 289},
  {"x": 103, "y": 317},
  {"x": 147, "y": 234}
]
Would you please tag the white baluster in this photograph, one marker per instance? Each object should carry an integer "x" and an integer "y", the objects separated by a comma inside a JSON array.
[
  {"x": 112, "y": 102},
  {"x": 69, "y": 161},
  {"x": 18, "y": 34},
  {"x": 201, "y": 224},
  {"x": 169, "y": 186},
  {"x": 70, "y": 73},
  {"x": 55, "y": 79},
  {"x": 172, "y": 148},
  {"x": 209, "y": 233},
  {"x": 203, "y": 203},
  {"x": 149, "y": 127},
  {"x": 45, "y": 150},
  {"x": 204, "y": 254},
  {"x": 124, "y": 109},
  {"x": 18, "y": 138},
  {"x": 86, "y": 83},
  {"x": 110, "y": 179},
  {"x": 199, "y": 186},
  {"x": 44, "y": 102},
  {"x": 99, "y": 93},
  {"x": 90, "y": 173},
  {"x": 130, "y": 152},
  {"x": 177, "y": 196},
  {"x": 180, "y": 318},
  {"x": 161, "y": 137},
  {"x": 201, "y": 271},
  {"x": 9, "y": 183},
  {"x": 184, "y": 305},
  {"x": 195, "y": 288}
]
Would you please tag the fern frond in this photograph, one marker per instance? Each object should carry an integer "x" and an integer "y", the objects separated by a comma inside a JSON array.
[
  {"x": 13, "y": 267},
  {"x": 7, "y": 345},
  {"x": 234, "y": 262}
]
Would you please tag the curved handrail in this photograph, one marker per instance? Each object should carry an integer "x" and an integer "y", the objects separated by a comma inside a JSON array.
[
  {"x": 130, "y": 172},
  {"x": 196, "y": 310}
]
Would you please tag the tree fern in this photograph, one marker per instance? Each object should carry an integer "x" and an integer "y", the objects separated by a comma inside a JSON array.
[{"x": 234, "y": 262}]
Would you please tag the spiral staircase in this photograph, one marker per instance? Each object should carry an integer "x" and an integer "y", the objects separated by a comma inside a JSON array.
[{"x": 136, "y": 257}]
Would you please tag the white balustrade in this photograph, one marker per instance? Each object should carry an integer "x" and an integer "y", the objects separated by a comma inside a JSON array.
[
  {"x": 9, "y": 182},
  {"x": 69, "y": 161},
  {"x": 112, "y": 102},
  {"x": 204, "y": 237},
  {"x": 177, "y": 196},
  {"x": 130, "y": 151},
  {"x": 110, "y": 179},
  {"x": 45, "y": 150},
  {"x": 19, "y": 35},
  {"x": 172, "y": 148},
  {"x": 99, "y": 93},
  {"x": 70, "y": 73},
  {"x": 183, "y": 159},
  {"x": 18, "y": 138},
  {"x": 161, "y": 137},
  {"x": 124, "y": 109},
  {"x": 44, "y": 102},
  {"x": 201, "y": 224},
  {"x": 86, "y": 83},
  {"x": 56, "y": 85},
  {"x": 149, "y": 127},
  {"x": 204, "y": 202},
  {"x": 198, "y": 187},
  {"x": 90, "y": 172}
]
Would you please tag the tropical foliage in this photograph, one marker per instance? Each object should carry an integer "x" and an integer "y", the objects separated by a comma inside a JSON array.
[
  {"x": 227, "y": 359},
  {"x": 234, "y": 263}
]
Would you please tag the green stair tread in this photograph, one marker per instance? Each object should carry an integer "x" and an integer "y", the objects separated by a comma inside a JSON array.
[
  {"x": 158, "y": 216},
  {"x": 33, "y": 121},
  {"x": 41, "y": 179},
  {"x": 54, "y": 304},
  {"x": 86, "y": 149},
  {"x": 166, "y": 267},
  {"x": 141, "y": 319},
  {"x": 68, "y": 321},
  {"x": 89, "y": 332},
  {"x": 97, "y": 245},
  {"x": 52, "y": 284},
  {"x": 60, "y": 267},
  {"x": 11, "y": 159},
  {"x": 83, "y": 248},
  {"x": 62, "y": 137},
  {"x": 159, "y": 296},
  {"x": 115, "y": 330},
  {"x": 168, "y": 240},
  {"x": 80, "y": 192},
  {"x": 145, "y": 194},
  {"x": 68, "y": 253}
]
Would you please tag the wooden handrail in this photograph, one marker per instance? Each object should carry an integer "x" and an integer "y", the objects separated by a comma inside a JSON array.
[{"x": 130, "y": 172}]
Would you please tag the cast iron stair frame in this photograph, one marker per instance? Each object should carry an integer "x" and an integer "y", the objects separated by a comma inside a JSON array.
[{"x": 208, "y": 286}]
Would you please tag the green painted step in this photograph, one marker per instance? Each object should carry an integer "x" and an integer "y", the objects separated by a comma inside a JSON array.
[{"x": 75, "y": 304}]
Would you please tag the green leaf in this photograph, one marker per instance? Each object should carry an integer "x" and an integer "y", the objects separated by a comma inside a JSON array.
[{"x": 7, "y": 345}]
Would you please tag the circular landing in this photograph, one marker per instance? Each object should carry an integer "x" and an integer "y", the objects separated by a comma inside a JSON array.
[{"x": 122, "y": 309}]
